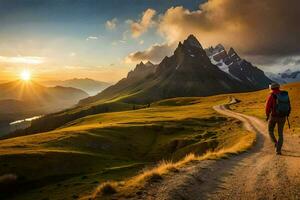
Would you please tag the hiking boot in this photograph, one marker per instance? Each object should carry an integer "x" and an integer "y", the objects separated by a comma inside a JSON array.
[
  {"x": 275, "y": 145},
  {"x": 278, "y": 153}
]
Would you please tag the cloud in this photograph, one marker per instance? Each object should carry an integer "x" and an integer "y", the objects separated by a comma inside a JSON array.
[
  {"x": 255, "y": 27},
  {"x": 34, "y": 60},
  {"x": 111, "y": 24},
  {"x": 117, "y": 42},
  {"x": 154, "y": 53},
  {"x": 92, "y": 38},
  {"x": 141, "y": 26}
]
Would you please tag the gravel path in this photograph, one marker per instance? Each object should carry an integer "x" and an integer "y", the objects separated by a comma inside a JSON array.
[{"x": 256, "y": 174}]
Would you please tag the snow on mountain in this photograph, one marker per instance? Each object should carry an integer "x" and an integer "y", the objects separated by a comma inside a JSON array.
[
  {"x": 236, "y": 67},
  {"x": 287, "y": 76}
]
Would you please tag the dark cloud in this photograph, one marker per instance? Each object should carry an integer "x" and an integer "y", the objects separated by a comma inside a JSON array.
[
  {"x": 276, "y": 63},
  {"x": 254, "y": 27}
]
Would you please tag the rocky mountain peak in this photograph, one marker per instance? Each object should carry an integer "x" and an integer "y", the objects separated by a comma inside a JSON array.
[
  {"x": 233, "y": 55},
  {"x": 192, "y": 41},
  {"x": 219, "y": 47},
  {"x": 149, "y": 63},
  {"x": 142, "y": 70}
]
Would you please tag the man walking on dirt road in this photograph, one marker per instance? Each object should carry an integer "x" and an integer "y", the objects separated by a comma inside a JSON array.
[{"x": 278, "y": 108}]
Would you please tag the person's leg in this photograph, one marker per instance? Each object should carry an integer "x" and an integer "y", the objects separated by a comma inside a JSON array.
[
  {"x": 271, "y": 127},
  {"x": 281, "y": 122}
]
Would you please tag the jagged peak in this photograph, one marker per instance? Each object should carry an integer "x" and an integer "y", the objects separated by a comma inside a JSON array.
[
  {"x": 231, "y": 51},
  {"x": 220, "y": 46},
  {"x": 192, "y": 41},
  {"x": 232, "y": 54},
  {"x": 149, "y": 63}
]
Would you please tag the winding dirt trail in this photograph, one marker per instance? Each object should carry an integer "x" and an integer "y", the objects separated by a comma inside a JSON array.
[{"x": 256, "y": 174}]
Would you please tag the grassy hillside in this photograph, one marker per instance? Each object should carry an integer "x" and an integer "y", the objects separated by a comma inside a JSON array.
[
  {"x": 71, "y": 161},
  {"x": 56, "y": 120},
  {"x": 253, "y": 103}
]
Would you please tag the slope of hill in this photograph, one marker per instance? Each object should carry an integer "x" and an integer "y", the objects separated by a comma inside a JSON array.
[
  {"x": 129, "y": 85},
  {"x": 71, "y": 161},
  {"x": 92, "y": 87}
]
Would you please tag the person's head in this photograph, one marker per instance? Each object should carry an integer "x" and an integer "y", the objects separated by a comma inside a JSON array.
[{"x": 274, "y": 86}]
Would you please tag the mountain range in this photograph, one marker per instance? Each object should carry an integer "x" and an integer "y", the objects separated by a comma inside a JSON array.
[
  {"x": 92, "y": 87},
  {"x": 287, "y": 76},
  {"x": 238, "y": 68},
  {"x": 190, "y": 71}
]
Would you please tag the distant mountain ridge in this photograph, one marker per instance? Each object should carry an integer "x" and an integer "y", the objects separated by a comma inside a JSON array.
[
  {"x": 190, "y": 71},
  {"x": 32, "y": 97},
  {"x": 287, "y": 76},
  {"x": 92, "y": 87}
]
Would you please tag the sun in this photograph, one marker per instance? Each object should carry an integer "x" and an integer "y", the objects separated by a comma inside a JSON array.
[{"x": 25, "y": 75}]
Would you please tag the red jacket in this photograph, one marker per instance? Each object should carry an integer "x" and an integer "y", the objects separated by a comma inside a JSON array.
[
  {"x": 270, "y": 105},
  {"x": 271, "y": 102}
]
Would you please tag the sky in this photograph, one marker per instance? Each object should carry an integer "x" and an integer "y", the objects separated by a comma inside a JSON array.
[{"x": 104, "y": 39}]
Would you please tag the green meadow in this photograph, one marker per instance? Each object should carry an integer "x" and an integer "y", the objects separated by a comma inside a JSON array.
[{"x": 71, "y": 161}]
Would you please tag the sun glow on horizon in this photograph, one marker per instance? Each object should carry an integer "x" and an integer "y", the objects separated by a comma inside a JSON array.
[{"x": 25, "y": 75}]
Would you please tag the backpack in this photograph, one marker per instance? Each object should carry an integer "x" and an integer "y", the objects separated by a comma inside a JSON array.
[{"x": 282, "y": 105}]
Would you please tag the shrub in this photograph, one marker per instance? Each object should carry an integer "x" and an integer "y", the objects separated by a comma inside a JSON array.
[{"x": 106, "y": 188}]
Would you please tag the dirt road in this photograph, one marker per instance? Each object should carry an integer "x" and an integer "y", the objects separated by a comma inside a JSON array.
[{"x": 256, "y": 174}]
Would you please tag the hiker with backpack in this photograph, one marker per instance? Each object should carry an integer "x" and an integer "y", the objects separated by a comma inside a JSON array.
[{"x": 278, "y": 109}]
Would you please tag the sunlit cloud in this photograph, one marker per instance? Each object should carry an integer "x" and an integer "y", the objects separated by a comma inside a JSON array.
[
  {"x": 22, "y": 60},
  {"x": 92, "y": 38},
  {"x": 155, "y": 53},
  {"x": 141, "y": 26},
  {"x": 111, "y": 24}
]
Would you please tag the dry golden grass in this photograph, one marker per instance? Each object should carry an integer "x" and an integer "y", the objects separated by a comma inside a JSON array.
[
  {"x": 106, "y": 188},
  {"x": 129, "y": 186}
]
